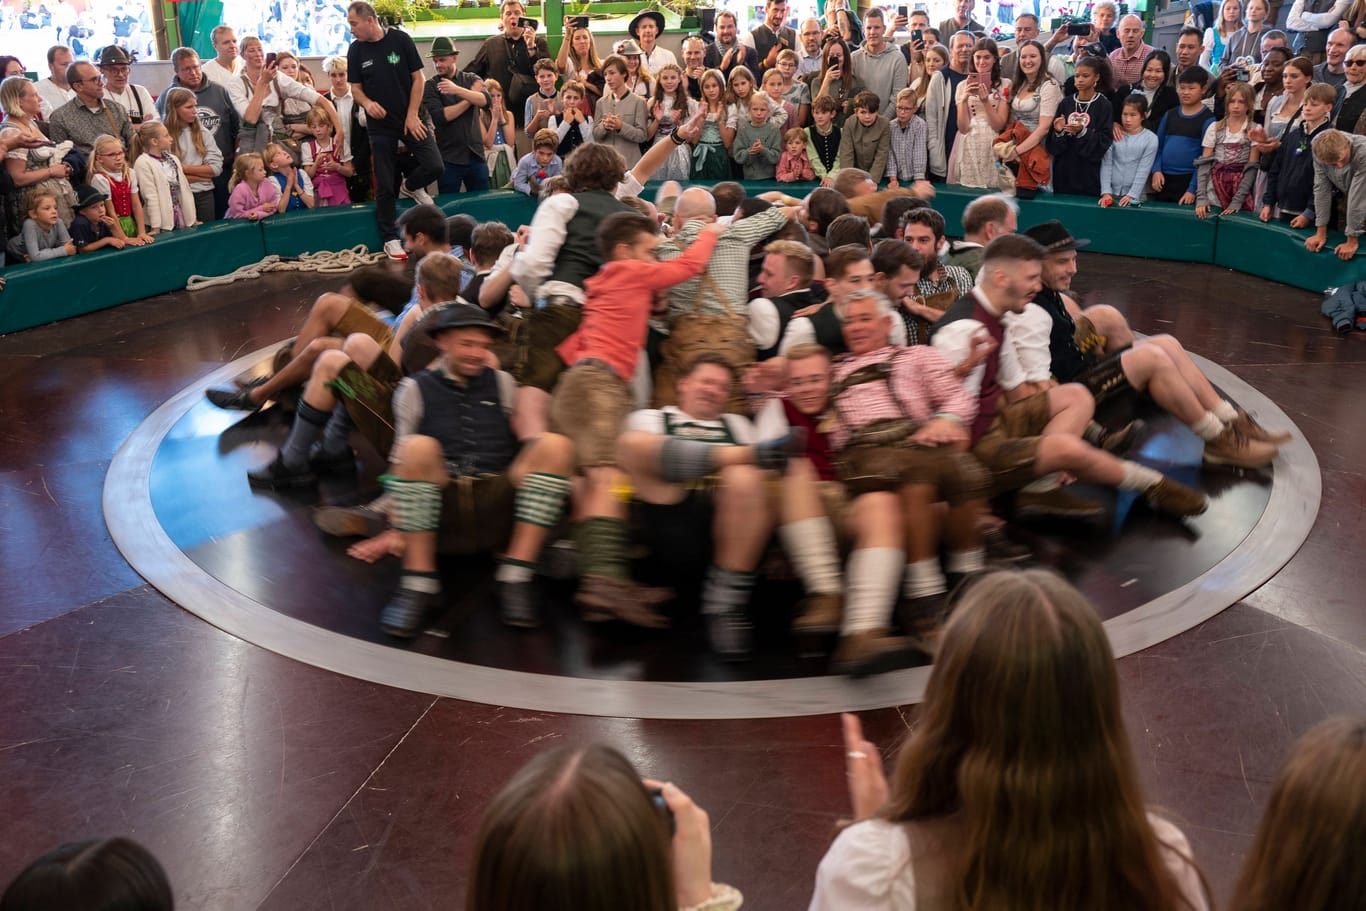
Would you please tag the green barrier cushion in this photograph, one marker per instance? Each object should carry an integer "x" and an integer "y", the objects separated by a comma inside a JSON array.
[
  {"x": 313, "y": 230},
  {"x": 1276, "y": 251},
  {"x": 38, "y": 293},
  {"x": 511, "y": 208},
  {"x": 1154, "y": 230}
]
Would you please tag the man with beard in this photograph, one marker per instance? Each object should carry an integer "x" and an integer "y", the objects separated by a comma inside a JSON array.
[
  {"x": 215, "y": 111},
  {"x": 453, "y": 99},
  {"x": 940, "y": 283},
  {"x": 772, "y": 36},
  {"x": 1027, "y": 430},
  {"x": 1055, "y": 337},
  {"x": 728, "y": 52},
  {"x": 847, "y": 269}
]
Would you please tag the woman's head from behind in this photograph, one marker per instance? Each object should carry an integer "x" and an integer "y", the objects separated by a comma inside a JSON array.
[
  {"x": 114, "y": 874},
  {"x": 1021, "y": 734},
  {"x": 1307, "y": 854},
  {"x": 574, "y": 829}
]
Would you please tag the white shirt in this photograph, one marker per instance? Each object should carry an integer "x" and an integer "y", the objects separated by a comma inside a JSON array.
[
  {"x": 656, "y": 59},
  {"x": 53, "y": 95},
  {"x": 869, "y": 868},
  {"x": 1301, "y": 21},
  {"x": 807, "y": 64},
  {"x": 271, "y": 106},
  {"x": 216, "y": 71},
  {"x": 954, "y": 341},
  {"x": 651, "y": 420},
  {"x": 130, "y": 103},
  {"x": 1028, "y": 334}
]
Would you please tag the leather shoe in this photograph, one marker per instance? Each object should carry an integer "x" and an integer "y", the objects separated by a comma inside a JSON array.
[
  {"x": 730, "y": 634},
  {"x": 820, "y": 613},
  {"x": 605, "y": 598},
  {"x": 1058, "y": 503},
  {"x": 875, "y": 652},
  {"x": 517, "y": 604},
  {"x": 1175, "y": 499},
  {"x": 232, "y": 399},
  {"x": 277, "y": 474},
  {"x": 404, "y": 613}
]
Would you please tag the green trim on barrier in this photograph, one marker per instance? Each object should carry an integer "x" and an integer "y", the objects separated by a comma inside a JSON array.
[{"x": 45, "y": 292}]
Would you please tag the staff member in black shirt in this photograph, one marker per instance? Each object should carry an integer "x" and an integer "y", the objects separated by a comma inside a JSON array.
[{"x": 386, "y": 77}]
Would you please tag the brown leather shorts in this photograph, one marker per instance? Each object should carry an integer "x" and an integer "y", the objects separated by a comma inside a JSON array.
[
  {"x": 590, "y": 406},
  {"x": 359, "y": 318},
  {"x": 1011, "y": 444},
  {"x": 958, "y": 476},
  {"x": 368, "y": 396},
  {"x": 476, "y": 514},
  {"x": 528, "y": 351}
]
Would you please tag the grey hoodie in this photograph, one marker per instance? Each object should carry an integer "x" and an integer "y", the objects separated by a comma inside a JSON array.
[{"x": 884, "y": 73}]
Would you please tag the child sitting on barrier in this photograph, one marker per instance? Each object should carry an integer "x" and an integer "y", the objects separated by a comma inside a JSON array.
[
  {"x": 326, "y": 162},
  {"x": 109, "y": 173},
  {"x": 43, "y": 236},
  {"x": 252, "y": 195},
  {"x": 296, "y": 190},
  {"x": 167, "y": 200}
]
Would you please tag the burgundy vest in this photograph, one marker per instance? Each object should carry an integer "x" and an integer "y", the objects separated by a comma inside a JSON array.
[
  {"x": 817, "y": 443},
  {"x": 968, "y": 307}
]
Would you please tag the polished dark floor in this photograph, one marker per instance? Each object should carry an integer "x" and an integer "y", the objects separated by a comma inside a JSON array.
[{"x": 261, "y": 782}]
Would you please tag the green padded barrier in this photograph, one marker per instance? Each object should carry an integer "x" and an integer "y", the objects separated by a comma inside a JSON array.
[
  {"x": 1276, "y": 251},
  {"x": 508, "y": 206},
  {"x": 1154, "y": 230},
  {"x": 313, "y": 230},
  {"x": 38, "y": 293}
]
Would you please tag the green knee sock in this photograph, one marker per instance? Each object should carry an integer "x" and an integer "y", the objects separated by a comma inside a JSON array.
[
  {"x": 415, "y": 506},
  {"x": 601, "y": 545}
]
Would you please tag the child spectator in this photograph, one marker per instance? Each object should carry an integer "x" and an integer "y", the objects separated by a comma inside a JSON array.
[
  {"x": 43, "y": 236},
  {"x": 710, "y": 154},
  {"x": 199, "y": 155},
  {"x": 1339, "y": 164},
  {"x": 907, "y": 149},
  {"x": 742, "y": 87},
  {"x": 1289, "y": 194},
  {"x": 1129, "y": 160},
  {"x": 823, "y": 137},
  {"x": 866, "y": 138},
  {"x": 500, "y": 136},
  {"x": 167, "y": 200},
  {"x": 671, "y": 107},
  {"x": 109, "y": 173},
  {"x": 326, "y": 163},
  {"x": 252, "y": 194},
  {"x": 794, "y": 166},
  {"x": 772, "y": 86},
  {"x": 574, "y": 126},
  {"x": 794, "y": 91},
  {"x": 1228, "y": 163},
  {"x": 1179, "y": 137},
  {"x": 1082, "y": 131},
  {"x": 757, "y": 145},
  {"x": 544, "y": 104},
  {"x": 539, "y": 164},
  {"x": 296, "y": 190},
  {"x": 93, "y": 228}
]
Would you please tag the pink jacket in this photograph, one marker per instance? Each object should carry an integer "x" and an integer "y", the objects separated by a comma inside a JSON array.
[
  {"x": 242, "y": 202},
  {"x": 794, "y": 168}
]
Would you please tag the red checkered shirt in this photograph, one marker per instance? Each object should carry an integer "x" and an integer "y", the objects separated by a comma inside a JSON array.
[{"x": 924, "y": 382}]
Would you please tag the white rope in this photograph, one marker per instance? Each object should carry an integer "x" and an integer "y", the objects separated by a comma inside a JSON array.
[{"x": 323, "y": 261}]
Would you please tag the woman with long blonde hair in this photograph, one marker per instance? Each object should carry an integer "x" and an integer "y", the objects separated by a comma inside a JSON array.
[
  {"x": 1017, "y": 789},
  {"x": 199, "y": 155}
]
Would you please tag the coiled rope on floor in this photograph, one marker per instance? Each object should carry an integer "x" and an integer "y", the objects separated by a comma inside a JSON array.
[{"x": 323, "y": 261}]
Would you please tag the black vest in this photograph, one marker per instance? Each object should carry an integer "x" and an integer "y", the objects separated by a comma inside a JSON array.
[
  {"x": 829, "y": 329},
  {"x": 579, "y": 256},
  {"x": 1350, "y": 111},
  {"x": 1067, "y": 358},
  {"x": 468, "y": 420}
]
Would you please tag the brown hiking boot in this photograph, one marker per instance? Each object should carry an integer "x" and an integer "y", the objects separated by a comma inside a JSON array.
[
  {"x": 875, "y": 652},
  {"x": 1058, "y": 503},
  {"x": 1233, "y": 447},
  {"x": 1175, "y": 499},
  {"x": 819, "y": 614},
  {"x": 1247, "y": 425},
  {"x": 604, "y": 598}
]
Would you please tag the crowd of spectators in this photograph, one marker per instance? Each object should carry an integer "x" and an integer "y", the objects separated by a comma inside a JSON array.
[{"x": 1017, "y": 789}]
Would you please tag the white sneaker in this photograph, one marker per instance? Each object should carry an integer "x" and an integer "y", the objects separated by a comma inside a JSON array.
[
  {"x": 394, "y": 250},
  {"x": 419, "y": 196}
]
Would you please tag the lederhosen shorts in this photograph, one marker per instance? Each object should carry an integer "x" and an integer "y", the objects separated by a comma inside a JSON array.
[
  {"x": 680, "y": 529},
  {"x": 368, "y": 396},
  {"x": 359, "y": 318},
  {"x": 476, "y": 514},
  {"x": 1010, "y": 445},
  {"x": 528, "y": 350},
  {"x": 880, "y": 456},
  {"x": 1103, "y": 376},
  {"x": 590, "y": 406}
]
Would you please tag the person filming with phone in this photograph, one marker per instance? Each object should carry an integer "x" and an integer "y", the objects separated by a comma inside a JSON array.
[{"x": 510, "y": 58}]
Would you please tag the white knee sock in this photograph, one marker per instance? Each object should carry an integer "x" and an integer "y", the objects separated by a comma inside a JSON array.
[
  {"x": 871, "y": 594},
  {"x": 1208, "y": 427},
  {"x": 1138, "y": 477},
  {"x": 811, "y": 545},
  {"x": 1225, "y": 411},
  {"x": 967, "y": 561},
  {"x": 924, "y": 577}
]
